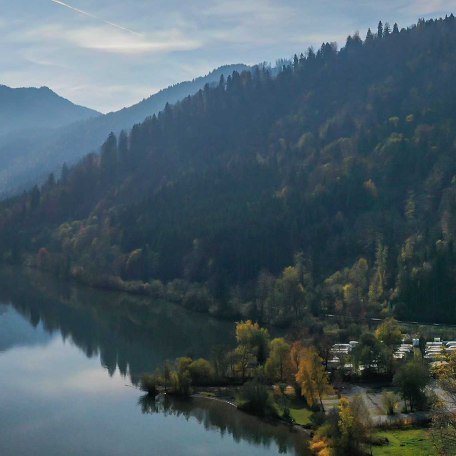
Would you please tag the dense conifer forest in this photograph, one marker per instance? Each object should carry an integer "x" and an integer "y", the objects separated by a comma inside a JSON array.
[{"x": 328, "y": 188}]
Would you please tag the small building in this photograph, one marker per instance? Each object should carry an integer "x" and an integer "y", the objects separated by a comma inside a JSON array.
[{"x": 403, "y": 351}]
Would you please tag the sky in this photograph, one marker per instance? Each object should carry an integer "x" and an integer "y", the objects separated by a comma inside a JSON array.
[{"x": 107, "y": 54}]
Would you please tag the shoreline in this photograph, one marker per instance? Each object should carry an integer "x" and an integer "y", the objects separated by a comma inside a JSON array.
[
  {"x": 146, "y": 289},
  {"x": 131, "y": 287},
  {"x": 292, "y": 427}
]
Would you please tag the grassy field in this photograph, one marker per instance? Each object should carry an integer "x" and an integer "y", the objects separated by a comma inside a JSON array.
[
  {"x": 408, "y": 442},
  {"x": 300, "y": 412},
  {"x": 301, "y": 415}
]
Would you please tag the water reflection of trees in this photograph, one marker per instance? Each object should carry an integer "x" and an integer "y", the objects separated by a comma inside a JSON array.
[
  {"x": 129, "y": 333},
  {"x": 213, "y": 414}
]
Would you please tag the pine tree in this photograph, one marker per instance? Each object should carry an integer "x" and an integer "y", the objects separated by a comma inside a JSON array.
[
  {"x": 64, "y": 174},
  {"x": 380, "y": 30},
  {"x": 310, "y": 53},
  {"x": 108, "y": 160},
  {"x": 35, "y": 197},
  {"x": 295, "y": 61},
  {"x": 50, "y": 183},
  {"x": 386, "y": 29},
  {"x": 123, "y": 147}
]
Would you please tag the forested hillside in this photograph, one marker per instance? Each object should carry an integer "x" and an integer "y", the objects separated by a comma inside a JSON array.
[
  {"x": 330, "y": 188},
  {"x": 30, "y": 155}
]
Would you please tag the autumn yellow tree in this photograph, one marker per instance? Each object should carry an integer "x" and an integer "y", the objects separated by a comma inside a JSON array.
[
  {"x": 389, "y": 332},
  {"x": 346, "y": 431},
  {"x": 354, "y": 427},
  {"x": 297, "y": 351},
  {"x": 313, "y": 378},
  {"x": 377, "y": 287},
  {"x": 346, "y": 420}
]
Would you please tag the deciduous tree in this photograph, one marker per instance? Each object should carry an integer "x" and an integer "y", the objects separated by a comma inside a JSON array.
[
  {"x": 253, "y": 344},
  {"x": 313, "y": 378},
  {"x": 389, "y": 332},
  {"x": 444, "y": 408},
  {"x": 278, "y": 364},
  {"x": 412, "y": 379}
]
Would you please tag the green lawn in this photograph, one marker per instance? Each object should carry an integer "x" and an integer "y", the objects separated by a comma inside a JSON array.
[
  {"x": 408, "y": 442},
  {"x": 301, "y": 415},
  {"x": 298, "y": 411}
]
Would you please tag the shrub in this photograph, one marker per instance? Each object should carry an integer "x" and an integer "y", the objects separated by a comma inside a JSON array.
[
  {"x": 148, "y": 384},
  {"x": 197, "y": 298},
  {"x": 286, "y": 416},
  {"x": 389, "y": 401},
  {"x": 180, "y": 383},
  {"x": 255, "y": 397},
  {"x": 201, "y": 372},
  {"x": 180, "y": 377}
]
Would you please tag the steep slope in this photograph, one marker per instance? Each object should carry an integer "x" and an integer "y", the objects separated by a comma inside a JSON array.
[
  {"x": 330, "y": 188},
  {"x": 28, "y": 158}
]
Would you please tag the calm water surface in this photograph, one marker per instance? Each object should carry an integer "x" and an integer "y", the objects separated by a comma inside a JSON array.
[{"x": 69, "y": 357}]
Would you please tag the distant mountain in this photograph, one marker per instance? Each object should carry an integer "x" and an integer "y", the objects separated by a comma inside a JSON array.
[
  {"x": 30, "y": 108},
  {"x": 29, "y": 158}
]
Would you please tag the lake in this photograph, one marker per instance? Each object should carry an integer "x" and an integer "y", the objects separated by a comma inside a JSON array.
[{"x": 70, "y": 357}]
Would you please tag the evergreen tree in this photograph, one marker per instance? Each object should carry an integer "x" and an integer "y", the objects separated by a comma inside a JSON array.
[
  {"x": 295, "y": 61},
  {"x": 386, "y": 29},
  {"x": 123, "y": 148},
  {"x": 380, "y": 30},
  {"x": 64, "y": 174},
  {"x": 108, "y": 159},
  {"x": 35, "y": 196}
]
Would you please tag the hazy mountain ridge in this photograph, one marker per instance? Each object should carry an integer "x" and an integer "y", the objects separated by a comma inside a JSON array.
[
  {"x": 30, "y": 155},
  {"x": 22, "y": 109}
]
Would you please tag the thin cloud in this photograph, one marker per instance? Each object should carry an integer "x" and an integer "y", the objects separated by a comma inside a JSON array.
[
  {"x": 95, "y": 38},
  {"x": 85, "y": 13},
  {"x": 429, "y": 7}
]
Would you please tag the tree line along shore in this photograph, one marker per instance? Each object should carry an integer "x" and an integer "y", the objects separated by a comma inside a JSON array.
[{"x": 347, "y": 412}]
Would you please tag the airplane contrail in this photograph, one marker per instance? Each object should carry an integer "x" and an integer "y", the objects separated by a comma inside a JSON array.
[{"x": 85, "y": 13}]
